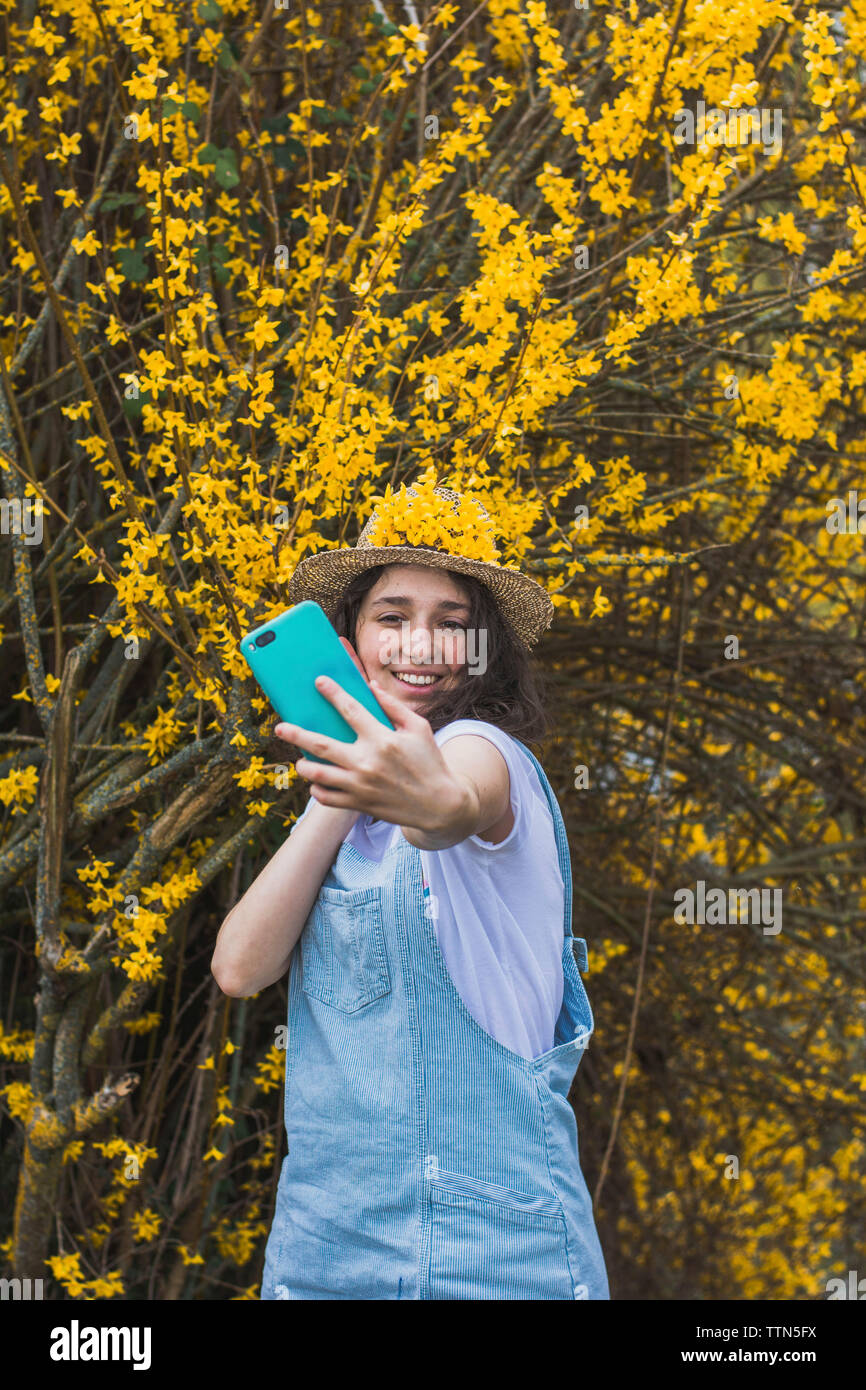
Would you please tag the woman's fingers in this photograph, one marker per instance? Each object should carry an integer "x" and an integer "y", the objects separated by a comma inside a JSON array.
[
  {"x": 358, "y": 718},
  {"x": 320, "y": 774},
  {"x": 327, "y": 797},
  {"x": 400, "y": 715},
  {"x": 340, "y": 781},
  {"x": 331, "y": 748}
]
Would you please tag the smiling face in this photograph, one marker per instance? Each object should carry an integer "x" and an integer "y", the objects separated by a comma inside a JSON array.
[{"x": 411, "y": 632}]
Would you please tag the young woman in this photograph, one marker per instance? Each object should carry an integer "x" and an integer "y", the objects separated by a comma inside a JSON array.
[{"x": 423, "y": 902}]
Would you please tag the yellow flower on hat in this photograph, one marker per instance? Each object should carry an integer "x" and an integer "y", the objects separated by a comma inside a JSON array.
[{"x": 423, "y": 516}]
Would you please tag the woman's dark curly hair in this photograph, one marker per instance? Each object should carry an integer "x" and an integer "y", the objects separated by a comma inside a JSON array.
[{"x": 508, "y": 693}]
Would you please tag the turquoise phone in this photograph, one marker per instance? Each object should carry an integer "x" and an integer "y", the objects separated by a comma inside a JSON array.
[{"x": 288, "y": 653}]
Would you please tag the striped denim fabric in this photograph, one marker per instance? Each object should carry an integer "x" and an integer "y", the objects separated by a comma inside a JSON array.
[{"x": 425, "y": 1160}]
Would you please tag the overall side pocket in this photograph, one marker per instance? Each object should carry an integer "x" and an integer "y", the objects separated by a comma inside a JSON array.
[{"x": 491, "y": 1242}]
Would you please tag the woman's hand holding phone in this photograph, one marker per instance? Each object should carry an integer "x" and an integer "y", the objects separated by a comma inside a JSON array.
[{"x": 395, "y": 775}]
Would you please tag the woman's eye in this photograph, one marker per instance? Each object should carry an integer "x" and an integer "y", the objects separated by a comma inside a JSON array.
[{"x": 452, "y": 624}]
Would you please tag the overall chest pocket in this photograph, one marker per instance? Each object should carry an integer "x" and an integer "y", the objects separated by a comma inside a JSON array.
[{"x": 343, "y": 954}]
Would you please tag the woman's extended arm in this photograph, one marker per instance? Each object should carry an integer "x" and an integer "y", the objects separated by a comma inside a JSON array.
[
  {"x": 438, "y": 797},
  {"x": 257, "y": 938}
]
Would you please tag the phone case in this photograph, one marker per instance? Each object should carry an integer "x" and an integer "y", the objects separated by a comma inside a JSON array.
[{"x": 288, "y": 653}]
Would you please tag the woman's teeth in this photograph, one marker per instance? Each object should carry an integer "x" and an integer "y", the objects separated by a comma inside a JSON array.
[{"x": 416, "y": 680}]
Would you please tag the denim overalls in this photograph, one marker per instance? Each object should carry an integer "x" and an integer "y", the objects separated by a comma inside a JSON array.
[{"x": 426, "y": 1160}]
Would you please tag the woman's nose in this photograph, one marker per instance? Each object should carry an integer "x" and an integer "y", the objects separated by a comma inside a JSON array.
[{"x": 421, "y": 646}]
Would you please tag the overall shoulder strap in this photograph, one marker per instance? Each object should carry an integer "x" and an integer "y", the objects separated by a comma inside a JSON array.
[{"x": 561, "y": 849}]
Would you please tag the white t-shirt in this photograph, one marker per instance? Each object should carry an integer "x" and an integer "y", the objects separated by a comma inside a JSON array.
[{"x": 497, "y": 910}]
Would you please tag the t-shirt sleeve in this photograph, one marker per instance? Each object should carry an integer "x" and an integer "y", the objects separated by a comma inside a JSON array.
[
  {"x": 306, "y": 810},
  {"x": 519, "y": 771}
]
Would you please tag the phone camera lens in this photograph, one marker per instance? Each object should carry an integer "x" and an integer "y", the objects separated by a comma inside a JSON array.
[{"x": 265, "y": 637}]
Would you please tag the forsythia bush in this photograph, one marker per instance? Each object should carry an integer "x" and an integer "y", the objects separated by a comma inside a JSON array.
[{"x": 601, "y": 266}]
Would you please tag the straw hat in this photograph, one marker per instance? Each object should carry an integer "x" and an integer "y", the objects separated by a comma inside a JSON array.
[{"x": 426, "y": 524}]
